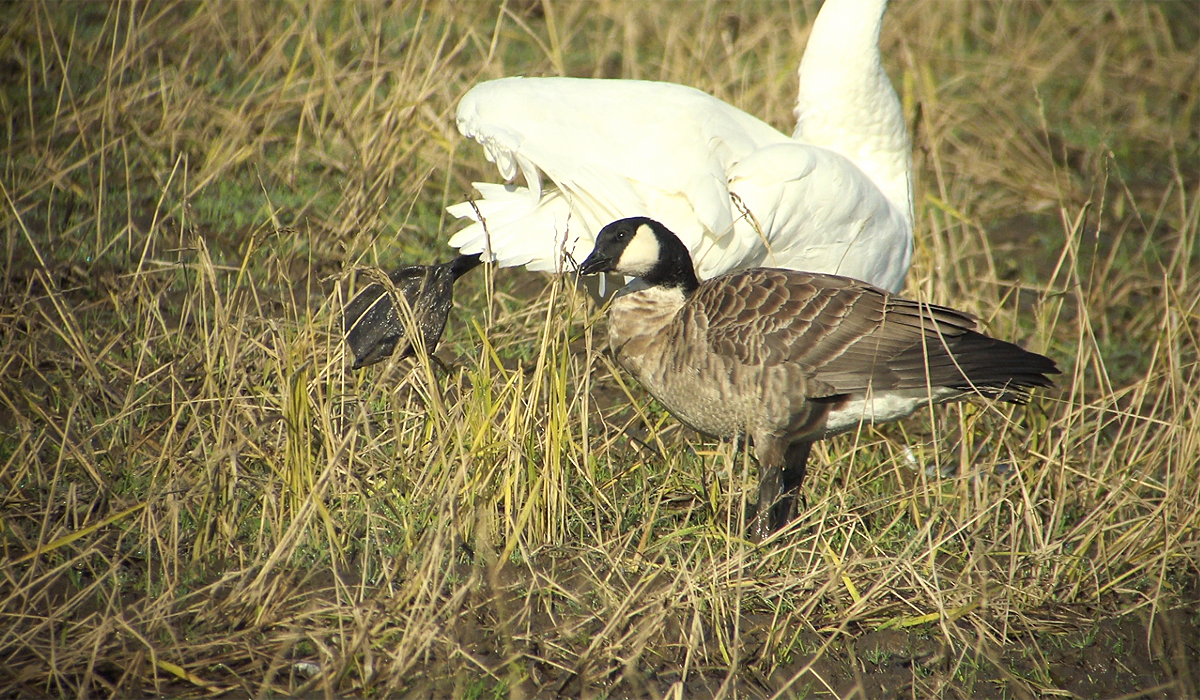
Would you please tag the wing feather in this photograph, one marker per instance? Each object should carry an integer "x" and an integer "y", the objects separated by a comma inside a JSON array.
[
  {"x": 849, "y": 337},
  {"x": 615, "y": 148}
]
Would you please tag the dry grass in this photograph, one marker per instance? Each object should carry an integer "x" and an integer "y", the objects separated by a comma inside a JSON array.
[{"x": 199, "y": 497}]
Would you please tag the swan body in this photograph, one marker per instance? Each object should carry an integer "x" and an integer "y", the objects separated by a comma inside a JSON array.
[{"x": 835, "y": 197}]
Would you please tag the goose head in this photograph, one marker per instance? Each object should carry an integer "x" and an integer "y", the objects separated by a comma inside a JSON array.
[{"x": 643, "y": 248}]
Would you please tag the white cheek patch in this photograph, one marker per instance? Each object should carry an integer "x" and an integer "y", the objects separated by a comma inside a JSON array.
[{"x": 640, "y": 254}]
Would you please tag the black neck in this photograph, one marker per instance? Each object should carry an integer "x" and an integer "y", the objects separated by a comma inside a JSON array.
[
  {"x": 464, "y": 264},
  {"x": 674, "y": 268}
]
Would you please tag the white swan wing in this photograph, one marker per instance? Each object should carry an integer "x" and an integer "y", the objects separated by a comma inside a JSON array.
[
  {"x": 816, "y": 211},
  {"x": 614, "y": 148}
]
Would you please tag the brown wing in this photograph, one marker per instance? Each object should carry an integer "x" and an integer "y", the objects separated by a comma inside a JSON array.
[{"x": 847, "y": 336}]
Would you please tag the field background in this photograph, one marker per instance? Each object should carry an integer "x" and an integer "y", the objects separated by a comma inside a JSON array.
[{"x": 197, "y": 497}]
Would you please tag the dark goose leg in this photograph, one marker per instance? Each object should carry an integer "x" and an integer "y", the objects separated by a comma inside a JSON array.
[{"x": 779, "y": 487}]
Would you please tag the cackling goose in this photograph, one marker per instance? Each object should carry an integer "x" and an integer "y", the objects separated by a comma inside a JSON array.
[{"x": 788, "y": 357}]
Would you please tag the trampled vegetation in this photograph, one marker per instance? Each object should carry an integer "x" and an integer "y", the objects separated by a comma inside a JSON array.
[{"x": 200, "y": 498}]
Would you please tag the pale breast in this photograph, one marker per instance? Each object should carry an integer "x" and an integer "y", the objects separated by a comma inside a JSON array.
[{"x": 709, "y": 392}]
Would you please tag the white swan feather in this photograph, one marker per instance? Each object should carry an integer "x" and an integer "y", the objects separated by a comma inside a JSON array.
[{"x": 836, "y": 197}]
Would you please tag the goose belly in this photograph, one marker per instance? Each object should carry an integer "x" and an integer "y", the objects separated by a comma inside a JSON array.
[
  {"x": 704, "y": 397},
  {"x": 882, "y": 407}
]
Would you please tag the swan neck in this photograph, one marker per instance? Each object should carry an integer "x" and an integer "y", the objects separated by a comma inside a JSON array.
[{"x": 846, "y": 101}]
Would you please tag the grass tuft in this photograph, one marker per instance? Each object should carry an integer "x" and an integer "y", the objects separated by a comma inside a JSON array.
[{"x": 199, "y": 498}]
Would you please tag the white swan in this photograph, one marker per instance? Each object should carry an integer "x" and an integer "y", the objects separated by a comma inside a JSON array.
[{"x": 836, "y": 197}]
